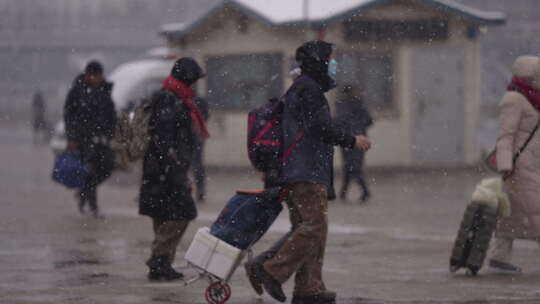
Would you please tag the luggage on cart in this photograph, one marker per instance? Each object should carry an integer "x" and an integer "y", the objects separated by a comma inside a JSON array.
[
  {"x": 216, "y": 261},
  {"x": 213, "y": 255},
  {"x": 217, "y": 252},
  {"x": 473, "y": 238},
  {"x": 247, "y": 216}
]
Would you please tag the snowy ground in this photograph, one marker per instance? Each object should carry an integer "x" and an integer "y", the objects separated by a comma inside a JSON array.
[{"x": 394, "y": 250}]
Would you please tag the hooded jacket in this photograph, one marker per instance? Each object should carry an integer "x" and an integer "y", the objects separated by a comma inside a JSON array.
[{"x": 310, "y": 134}]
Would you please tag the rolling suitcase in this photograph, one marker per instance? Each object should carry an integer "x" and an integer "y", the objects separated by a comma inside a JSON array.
[{"x": 473, "y": 238}]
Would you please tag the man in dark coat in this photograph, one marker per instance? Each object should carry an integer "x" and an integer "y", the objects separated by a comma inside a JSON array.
[
  {"x": 175, "y": 125},
  {"x": 309, "y": 137},
  {"x": 90, "y": 119},
  {"x": 353, "y": 115}
]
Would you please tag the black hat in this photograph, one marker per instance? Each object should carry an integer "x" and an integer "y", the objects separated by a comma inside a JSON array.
[
  {"x": 187, "y": 70},
  {"x": 316, "y": 50},
  {"x": 94, "y": 67}
]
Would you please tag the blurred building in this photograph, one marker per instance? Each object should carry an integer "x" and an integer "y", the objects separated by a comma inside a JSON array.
[
  {"x": 500, "y": 47},
  {"x": 417, "y": 61},
  {"x": 45, "y": 43}
]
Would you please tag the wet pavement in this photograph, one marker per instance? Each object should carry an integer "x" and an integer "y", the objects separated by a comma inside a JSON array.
[{"x": 393, "y": 250}]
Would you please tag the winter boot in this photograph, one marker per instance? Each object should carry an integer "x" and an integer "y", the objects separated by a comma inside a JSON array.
[
  {"x": 161, "y": 270},
  {"x": 175, "y": 274},
  {"x": 256, "y": 281},
  {"x": 325, "y": 297},
  {"x": 271, "y": 285}
]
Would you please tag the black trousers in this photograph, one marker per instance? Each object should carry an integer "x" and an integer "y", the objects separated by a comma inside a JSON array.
[
  {"x": 88, "y": 196},
  {"x": 353, "y": 168},
  {"x": 100, "y": 160}
]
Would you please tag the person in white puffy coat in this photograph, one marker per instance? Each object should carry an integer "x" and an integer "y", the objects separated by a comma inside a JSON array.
[{"x": 518, "y": 116}]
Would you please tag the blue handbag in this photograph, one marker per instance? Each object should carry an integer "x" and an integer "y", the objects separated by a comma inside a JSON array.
[
  {"x": 69, "y": 170},
  {"x": 247, "y": 216}
]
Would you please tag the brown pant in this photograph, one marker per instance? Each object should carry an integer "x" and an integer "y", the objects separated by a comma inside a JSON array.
[
  {"x": 167, "y": 236},
  {"x": 303, "y": 252}
]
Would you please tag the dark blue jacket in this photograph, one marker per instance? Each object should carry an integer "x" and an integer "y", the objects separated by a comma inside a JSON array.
[
  {"x": 89, "y": 112},
  {"x": 310, "y": 134}
]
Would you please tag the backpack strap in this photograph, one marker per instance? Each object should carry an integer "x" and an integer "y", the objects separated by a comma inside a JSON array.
[
  {"x": 516, "y": 156},
  {"x": 258, "y": 139},
  {"x": 287, "y": 153}
]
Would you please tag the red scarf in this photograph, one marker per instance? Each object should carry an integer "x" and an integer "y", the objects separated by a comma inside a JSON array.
[
  {"x": 524, "y": 87},
  {"x": 186, "y": 94}
]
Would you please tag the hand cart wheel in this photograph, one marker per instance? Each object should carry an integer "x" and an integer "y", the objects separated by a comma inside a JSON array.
[
  {"x": 218, "y": 293},
  {"x": 227, "y": 290}
]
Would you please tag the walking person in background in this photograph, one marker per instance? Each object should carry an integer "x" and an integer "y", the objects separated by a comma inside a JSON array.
[
  {"x": 354, "y": 116},
  {"x": 518, "y": 117},
  {"x": 90, "y": 119},
  {"x": 199, "y": 171},
  {"x": 39, "y": 118},
  {"x": 306, "y": 176},
  {"x": 176, "y": 124}
]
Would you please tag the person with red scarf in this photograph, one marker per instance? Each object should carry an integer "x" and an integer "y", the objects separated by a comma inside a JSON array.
[
  {"x": 176, "y": 124},
  {"x": 518, "y": 117}
]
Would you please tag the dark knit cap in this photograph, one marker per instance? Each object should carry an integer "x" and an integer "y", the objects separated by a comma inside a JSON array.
[
  {"x": 94, "y": 67},
  {"x": 187, "y": 70}
]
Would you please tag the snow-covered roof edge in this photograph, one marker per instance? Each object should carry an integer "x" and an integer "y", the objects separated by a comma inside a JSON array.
[
  {"x": 448, "y": 6},
  {"x": 476, "y": 15},
  {"x": 179, "y": 30}
]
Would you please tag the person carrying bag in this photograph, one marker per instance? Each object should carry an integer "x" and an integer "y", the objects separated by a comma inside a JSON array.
[{"x": 518, "y": 160}]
